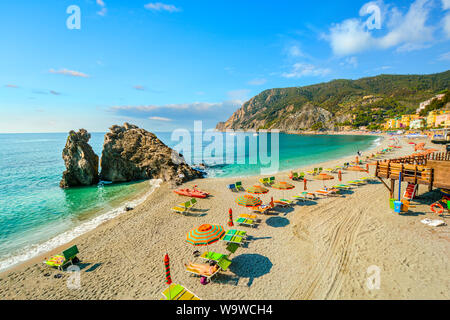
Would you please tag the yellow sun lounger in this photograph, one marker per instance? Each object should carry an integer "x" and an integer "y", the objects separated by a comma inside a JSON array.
[{"x": 178, "y": 292}]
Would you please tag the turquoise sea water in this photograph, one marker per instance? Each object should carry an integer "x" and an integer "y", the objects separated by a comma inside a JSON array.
[{"x": 36, "y": 215}]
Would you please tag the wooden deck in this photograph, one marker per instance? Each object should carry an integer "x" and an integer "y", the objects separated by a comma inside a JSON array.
[{"x": 432, "y": 170}]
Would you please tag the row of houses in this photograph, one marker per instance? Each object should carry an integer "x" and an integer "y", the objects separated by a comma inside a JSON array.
[{"x": 435, "y": 119}]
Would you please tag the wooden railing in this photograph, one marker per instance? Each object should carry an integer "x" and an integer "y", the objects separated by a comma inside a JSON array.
[
  {"x": 422, "y": 159},
  {"x": 417, "y": 174}
]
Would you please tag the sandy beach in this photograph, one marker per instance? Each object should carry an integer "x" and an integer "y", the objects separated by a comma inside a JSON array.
[{"x": 319, "y": 249}]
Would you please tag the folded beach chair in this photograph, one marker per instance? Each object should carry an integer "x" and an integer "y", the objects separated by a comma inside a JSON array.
[
  {"x": 246, "y": 222},
  {"x": 239, "y": 186},
  {"x": 60, "y": 261},
  {"x": 178, "y": 292},
  {"x": 232, "y": 187}
]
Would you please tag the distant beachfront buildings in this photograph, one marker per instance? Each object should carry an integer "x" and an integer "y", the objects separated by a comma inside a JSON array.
[{"x": 434, "y": 119}]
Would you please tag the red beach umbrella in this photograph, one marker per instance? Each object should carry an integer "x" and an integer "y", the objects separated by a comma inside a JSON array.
[
  {"x": 230, "y": 222},
  {"x": 340, "y": 175},
  {"x": 304, "y": 185},
  {"x": 167, "y": 266}
]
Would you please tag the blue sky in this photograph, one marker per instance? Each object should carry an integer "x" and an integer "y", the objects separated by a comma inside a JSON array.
[{"x": 162, "y": 65}]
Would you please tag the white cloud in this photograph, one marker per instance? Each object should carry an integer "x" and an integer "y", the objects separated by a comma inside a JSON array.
[
  {"x": 182, "y": 111},
  {"x": 295, "y": 51},
  {"x": 159, "y": 6},
  {"x": 103, "y": 10},
  {"x": 160, "y": 119},
  {"x": 257, "y": 82},
  {"x": 303, "y": 70},
  {"x": 446, "y": 23},
  {"x": 405, "y": 31},
  {"x": 444, "y": 56},
  {"x": 445, "y": 4},
  {"x": 350, "y": 61},
  {"x": 69, "y": 73},
  {"x": 238, "y": 95}
]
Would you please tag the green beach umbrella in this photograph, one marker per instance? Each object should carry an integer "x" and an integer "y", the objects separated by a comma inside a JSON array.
[
  {"x": 257, "y": 190},
  {"x": 248, "y": 201},
  {"x": 205, "y": 235}
]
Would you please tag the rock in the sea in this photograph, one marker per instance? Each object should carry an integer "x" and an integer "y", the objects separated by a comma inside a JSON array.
[
  {"x": 80, "y": 160},
  {"x": 131, "y": 154}
]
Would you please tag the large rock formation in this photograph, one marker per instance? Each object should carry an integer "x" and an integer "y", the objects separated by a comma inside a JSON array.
[
  {"x": 131, "y": 153},
  {"x": 80, "y": 160}
]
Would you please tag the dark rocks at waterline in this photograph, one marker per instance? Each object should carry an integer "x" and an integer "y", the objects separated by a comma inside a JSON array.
[
  {"x": 131, "y": 154},
  {"x": 80, "y": 160}
]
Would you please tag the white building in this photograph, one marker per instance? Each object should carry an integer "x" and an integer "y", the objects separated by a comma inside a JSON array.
[{"x": 424, "y": 104}]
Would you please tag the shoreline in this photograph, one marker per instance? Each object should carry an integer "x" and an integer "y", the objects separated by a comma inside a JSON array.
[
  {"x": 90, "y": 220},
  {"x": 118, "y": 211}
]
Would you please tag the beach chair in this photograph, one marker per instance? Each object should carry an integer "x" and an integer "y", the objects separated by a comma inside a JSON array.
[
  {"x": 248, "y": 216},
  {"x": 342, "y": 186},
  {"x": 232, "y": 187},
  {"x": 60, "y": 261},
  {"x": 301, "y": 176},
  {"x": 212, "y": 256},
  {"x": 201, "y": 274},
  {"x": 178, "y": 292},
  {"x": 283, "y": 203},
  {"x": 231, "y": 248},
  {"x": 305, "y": 196},
  {"x": 295, "y": 176},
  {"x": 327, "y": 193},
  {"x": 235, "y": 236},
  {"x": 246, "y": 222},
  {"x": 319, "y": 171},
  {"x": 271, "y": 180},
  {"x": 239, "y": 186},
  {"x": 264, "y": 181},
  {"x": 355, "y": 183},
  {"x": 262, "y": 209}
]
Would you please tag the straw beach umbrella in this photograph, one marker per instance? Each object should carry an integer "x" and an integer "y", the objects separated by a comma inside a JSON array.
[
  {"x": 248, "y": 201},
  {"x": 257, "y": 190},
  {"x": 283, "y": 186},
  {"x": 324, "y": 177},
  {"x": 205, "y": 235}
]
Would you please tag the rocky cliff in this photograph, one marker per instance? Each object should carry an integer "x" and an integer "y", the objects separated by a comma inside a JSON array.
[
  {"x": 80, "y": 160},
  {"x": 336, "y": 103},
  {"x": 130, "y": 154}
]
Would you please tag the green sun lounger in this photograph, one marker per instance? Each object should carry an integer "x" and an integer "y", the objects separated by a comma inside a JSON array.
[
  {"x": 213, "y": 256},
  {"x": 264, "y": 181},
  {"x": 246, "y": 222},
  {"x": 182, "y": 208},
  {"x": 271, "y": 180},
  {"x": 231, "y": 248},
  {"x": 224, "y": 263},
  {"x": 60, "y": 261},
  {"x": 239, "y": 186},
  {"x": 342, "y": 186},
  {"x": 178, "y": 292},
  {"x": 295, "y": 176},
  {"x": 233, "y": 239}
]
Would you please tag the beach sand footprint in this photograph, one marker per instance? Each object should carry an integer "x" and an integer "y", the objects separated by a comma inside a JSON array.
[{"x": 250, "y": 266}]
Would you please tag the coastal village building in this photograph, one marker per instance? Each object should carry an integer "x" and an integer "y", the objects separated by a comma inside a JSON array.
[
  {"x": 424, "y": 104},
  {"x": 443, "y": 120},
  {"x": 418, "y": 123}
]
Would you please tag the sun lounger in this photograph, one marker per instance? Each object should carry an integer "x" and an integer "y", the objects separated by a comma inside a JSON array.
[
  {"x": 248, "y": 216},
  {"x": 178, "y": 292},
  {"x": 264, "y": 181},
  {"x": 261, "y": 209},
  {"x": 235, "y": 236},
  {"x": 319, "y": 171},
  {"x": 305, "y": 196},
  {"x": 231, "y": 248},
  {"x": 246, "y": 222},
  {"x": 295, "y": 176},
  {"x": 232, "y": 187},
  {"x": 313, "y": 172},
  {"x": 342, "y": 186},
  {"x": 60, "y": 261},
  {"x": 327, "y": 193},
  {"x": 239, "y": 186},
  {"x": 283, "y": 203},
  {"x": 301, "y": 176},
  {"x": 271, "y": 180},
  {"x": 201, "y": 274},
  {"x": 355, "y": 183},
  {"x": 212, "y": 256},
  {"x": 184, "y": 207}
]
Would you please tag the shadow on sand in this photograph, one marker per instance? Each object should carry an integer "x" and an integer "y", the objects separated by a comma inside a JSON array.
[
  {"x": 250, "y": 266},
  {"x": 277, "y": 222}
]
